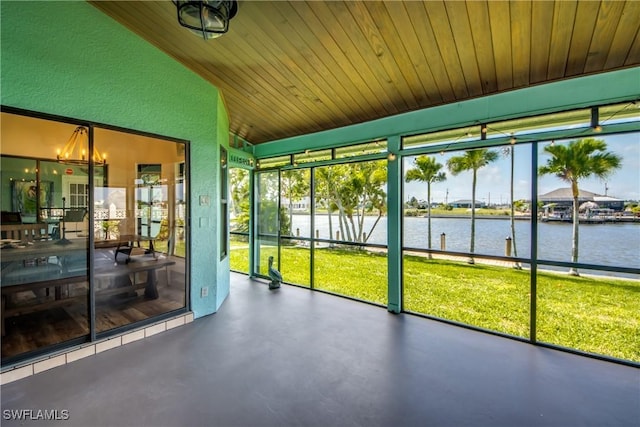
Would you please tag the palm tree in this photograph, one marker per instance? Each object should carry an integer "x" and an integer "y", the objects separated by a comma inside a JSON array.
[
  {"x": 426, "y": 169},
  {"x": 576, "y": 160},
  {"x": 509, "y": 151},
  {"x": 472, "y": 160}
]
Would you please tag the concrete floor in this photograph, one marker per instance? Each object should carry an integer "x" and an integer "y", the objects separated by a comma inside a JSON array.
[{"x": 295, "y": 357}]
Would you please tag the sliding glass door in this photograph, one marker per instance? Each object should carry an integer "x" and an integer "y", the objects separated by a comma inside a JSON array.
[
  {"x": 138, "y": 210},
  {"x": 94, "y": 236},
  {"x": 45, "y": 238}
]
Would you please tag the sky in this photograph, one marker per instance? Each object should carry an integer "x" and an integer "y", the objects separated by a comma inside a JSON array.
[{"x": 493, "y": 180}]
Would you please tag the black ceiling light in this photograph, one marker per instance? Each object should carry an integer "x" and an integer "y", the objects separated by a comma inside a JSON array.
[{"x": 206, "y": 18}]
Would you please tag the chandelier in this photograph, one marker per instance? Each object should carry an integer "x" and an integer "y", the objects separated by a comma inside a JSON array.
[
  {"x": 206, "y": 18},
  {"x": 76, "y": 150}
]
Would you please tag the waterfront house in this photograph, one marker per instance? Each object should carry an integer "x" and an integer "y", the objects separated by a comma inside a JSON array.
[
  {"x": 562, "y": 198},
  {"x": 466, "y": 203}
]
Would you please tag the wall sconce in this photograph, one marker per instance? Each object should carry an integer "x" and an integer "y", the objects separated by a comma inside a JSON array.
[
  {"x": 595, "y": 120},
  {"x": 391, "y": 157},
  {"x": 206, "y": 18},
  {"x": 75, "y": 150}
]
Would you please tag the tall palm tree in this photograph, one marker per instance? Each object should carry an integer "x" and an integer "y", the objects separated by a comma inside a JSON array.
[
  {"x": 577, "y": 160},
  {"x": 426, "y": 169},
  {"x": 472, "y": 160},
  {"x": 509, "y": 151}
]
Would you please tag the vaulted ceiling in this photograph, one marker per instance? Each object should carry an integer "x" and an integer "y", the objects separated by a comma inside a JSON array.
[{"x": 288, "y": 68}]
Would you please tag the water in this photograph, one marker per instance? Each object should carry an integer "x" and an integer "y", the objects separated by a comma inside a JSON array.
[{"x": 602, "y": 244}]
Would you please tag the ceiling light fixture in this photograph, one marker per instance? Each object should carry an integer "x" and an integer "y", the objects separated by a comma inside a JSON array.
[
  {"x": 76, "y": 149},
  {"x": 206, "y": 18}
]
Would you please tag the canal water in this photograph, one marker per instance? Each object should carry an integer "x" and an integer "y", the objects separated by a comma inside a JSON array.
[{"x": 615, "y": 244}]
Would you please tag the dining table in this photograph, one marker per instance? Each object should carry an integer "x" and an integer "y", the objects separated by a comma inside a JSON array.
[
  {"x": 39, "y": 266},
  {"x": 42, "y": 265}
]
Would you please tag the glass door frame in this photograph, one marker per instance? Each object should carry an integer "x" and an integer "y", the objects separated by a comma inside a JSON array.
[{"x": 92, "y": 335}]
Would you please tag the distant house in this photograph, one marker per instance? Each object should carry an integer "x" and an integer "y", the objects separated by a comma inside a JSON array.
[
  {"x": 564, "y": 197},
  {"x": 302, "y": 205},
  {"x": 467, "y": 204}
]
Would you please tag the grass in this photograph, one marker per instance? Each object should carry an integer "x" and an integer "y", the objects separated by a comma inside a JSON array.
[
  {"x": 163, "y": 246},
  {"x": 597, "y": 315},
  {"x": 490, "y": 297}
]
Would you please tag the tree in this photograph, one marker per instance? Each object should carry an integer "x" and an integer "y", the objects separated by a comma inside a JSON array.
[
  {"x": 239, "y": 192},
  {"x": 426, "y": 169},
  {"x": 510, "y": 151},
  {"x": 472, "y": 160},
  {"x": 323, "y": 177},
  {"x": 329, "y": 181},
  {"x": 353, "y": 190},
  {"x": 413, "y": 203},
  {"x": 294, "y": 186},
  {"x": 579, "y": 159}
]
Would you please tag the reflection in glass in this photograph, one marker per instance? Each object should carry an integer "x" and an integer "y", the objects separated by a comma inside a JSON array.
[
  {"x": 139, "y": 264},
  {"x": 44, "y": 243}
]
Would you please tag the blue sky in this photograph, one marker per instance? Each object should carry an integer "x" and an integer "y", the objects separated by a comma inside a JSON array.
[{"x": 493, "y": 180}]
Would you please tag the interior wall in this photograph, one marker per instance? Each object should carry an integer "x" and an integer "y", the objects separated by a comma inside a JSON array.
[{"x": 87, "y": 66}]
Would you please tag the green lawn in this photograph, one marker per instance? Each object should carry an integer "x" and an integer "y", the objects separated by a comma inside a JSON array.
[
  {"x": 597, "y": 315},
  {"x": 162, "y": 246}
]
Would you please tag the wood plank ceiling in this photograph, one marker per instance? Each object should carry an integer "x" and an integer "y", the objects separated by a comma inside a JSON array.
[{"x": 288, "y": 68}]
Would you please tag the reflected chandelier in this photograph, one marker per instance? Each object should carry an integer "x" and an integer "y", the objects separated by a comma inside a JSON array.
[{"x": 206, "y": 18}]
